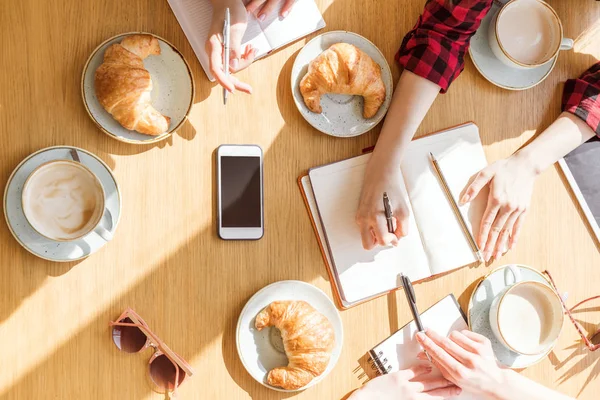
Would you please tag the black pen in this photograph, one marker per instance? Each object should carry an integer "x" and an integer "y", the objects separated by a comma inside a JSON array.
[
  {"x": 412, "y": 302},
  {"x": 387, "y": 208}
]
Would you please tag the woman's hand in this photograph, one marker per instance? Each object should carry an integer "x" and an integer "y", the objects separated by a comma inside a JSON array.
[
  {"x": 465, "y": 359},
  {"x": 511, "y": 185},
  {"x": 262, "y": 8},
  {"x": 381, "y": 177},
  {"x": 409, "y": 384}
]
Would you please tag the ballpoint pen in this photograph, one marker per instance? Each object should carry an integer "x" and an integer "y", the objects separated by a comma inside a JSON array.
[
  {"x": 387, "y": 208},
  {"x": 226, "y": 35},
  {"x": 455, "y": 208},
  {"x": 412, "y": 303}
]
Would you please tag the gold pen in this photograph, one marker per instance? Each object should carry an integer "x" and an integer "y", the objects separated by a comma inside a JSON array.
[{"x": 456, "y": 209}]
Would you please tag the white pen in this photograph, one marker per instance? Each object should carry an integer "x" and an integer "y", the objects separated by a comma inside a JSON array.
[{"x": 226, "y": 34}]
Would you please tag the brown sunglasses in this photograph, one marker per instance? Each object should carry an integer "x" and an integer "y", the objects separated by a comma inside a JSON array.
[
  {"x": 166, "y": 369},
  {"x": 591, "y": 340}
]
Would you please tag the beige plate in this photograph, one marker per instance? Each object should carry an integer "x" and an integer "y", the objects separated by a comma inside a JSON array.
[{"x": 172, "y": 90}]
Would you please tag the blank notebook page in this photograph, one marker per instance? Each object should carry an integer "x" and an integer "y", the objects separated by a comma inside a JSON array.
[
  {"x": 460, "y": 156},
  {"x": 362, "y": 273}
]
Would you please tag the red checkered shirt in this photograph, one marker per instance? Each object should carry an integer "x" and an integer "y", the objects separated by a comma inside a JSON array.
[{"x": 435, "y": 50}]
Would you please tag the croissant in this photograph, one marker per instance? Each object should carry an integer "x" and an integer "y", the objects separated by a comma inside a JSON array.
[
  {"x": 123, "y": 85},
  {"x": 343, "y": 69},
  {"x": 308, "y": 339}
]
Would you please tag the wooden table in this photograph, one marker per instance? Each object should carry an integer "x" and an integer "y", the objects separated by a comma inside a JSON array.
[{"x": 166, "y": 261}]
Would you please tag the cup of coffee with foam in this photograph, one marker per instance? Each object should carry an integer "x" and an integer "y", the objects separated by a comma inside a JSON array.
[
  {"x": 527, "y": 317},
  {"x": 64, "y": 201},
  {"x": 525, "y": 34}
]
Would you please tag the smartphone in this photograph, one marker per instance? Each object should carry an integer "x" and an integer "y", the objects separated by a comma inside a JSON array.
[{"x": 240, "y": 211}]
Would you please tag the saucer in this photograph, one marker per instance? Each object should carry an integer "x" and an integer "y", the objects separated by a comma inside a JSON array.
[
  {"x": 484, "y": 293},
  {"x": 495, "y": 70},
  {"x": 258, "y": 352},
  {"x": 39, "y": 245},
  {"x": 342, "y": 115},
  {"x": 172, "y": 90}
]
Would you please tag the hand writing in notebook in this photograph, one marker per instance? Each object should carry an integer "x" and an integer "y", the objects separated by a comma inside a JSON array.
[
  {"x": 407, "y": 384},
  {"x": 239, "y": 58}
]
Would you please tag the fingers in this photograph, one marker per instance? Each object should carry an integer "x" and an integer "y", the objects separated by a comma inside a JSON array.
[
  {"x": 254, "y": 5},
  {"x": 495, "y": 230},
  {"x": 401, "y": 224},
  {"x": 483, "y": 178},
  {"x": 287, "y": 7},
  {"x": 440, "y": 394},
  {"x": 516, "y": 230},
  {"x": 486, "y": 223},
  {"x": 447, "y": 344},
  {"x": 366, "y": 234},
  {"x": 215, "y": 50},
  {"x": 442, "y": 359},
  {"x": 237, "y": 61},
  {"x": 382, "y": 234},
  {"x": 502, "y": 244},
  {"x": 412, "y": 373},
  {"x": 465, "y": 342},
  {"x": 428, "y": 384},
  {"x": 476, "y": 337},
  {"x": 267, "y": 9}
]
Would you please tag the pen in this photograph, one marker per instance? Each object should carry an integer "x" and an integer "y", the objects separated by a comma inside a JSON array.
[
  {"x": 226, "y": 34},
  {"x": 412, "y": 302},
  {"x": 387, "y": 208},
  {"x": 454, "y": 204}
]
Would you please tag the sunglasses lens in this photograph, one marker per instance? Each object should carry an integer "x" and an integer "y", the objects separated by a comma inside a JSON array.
[
  {"x": 163, "y": 372},
  {"x": 129, "y": 339}
]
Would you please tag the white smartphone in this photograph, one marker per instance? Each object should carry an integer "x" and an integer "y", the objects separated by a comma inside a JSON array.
[{"x": 240, "y": 192}]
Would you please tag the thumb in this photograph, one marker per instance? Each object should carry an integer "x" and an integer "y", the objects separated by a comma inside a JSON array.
[{"x": 481, "y": 179}]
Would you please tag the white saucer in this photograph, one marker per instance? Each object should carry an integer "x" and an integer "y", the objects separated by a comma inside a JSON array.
[
  {"x": 497, "y": 72},
  {"x": 479, "y": 314},
  {"x": 38, "y": 244},
  {"x": 172, "y": 90},
  {"x": 254, "y": 347},
  {"x": 342, "y": 115}
]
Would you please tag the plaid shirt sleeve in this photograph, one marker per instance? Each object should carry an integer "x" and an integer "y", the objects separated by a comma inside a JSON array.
[
  {"x": 435, "y": 48},
  {"x": 581, "y": 97}
]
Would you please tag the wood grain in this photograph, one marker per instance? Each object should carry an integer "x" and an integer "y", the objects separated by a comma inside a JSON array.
[{"x": 166, "y": 261}]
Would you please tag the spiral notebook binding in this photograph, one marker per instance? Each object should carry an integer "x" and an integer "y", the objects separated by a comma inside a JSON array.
[{"x": 378, "y": 362}]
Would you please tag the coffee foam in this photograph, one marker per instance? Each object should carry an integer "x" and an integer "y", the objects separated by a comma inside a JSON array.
[
  {"x": 62, "y": 200},
  {"x": 526, "y": 318},
  {"x": 529, "y": 31}
]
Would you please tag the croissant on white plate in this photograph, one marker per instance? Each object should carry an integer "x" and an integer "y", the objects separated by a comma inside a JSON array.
[
  {"x": 123, "y": 85},
  {"x": 308, "y": 340},
  {"x": 343, "y": 69}
]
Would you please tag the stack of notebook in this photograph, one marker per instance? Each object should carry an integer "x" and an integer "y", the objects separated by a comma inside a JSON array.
[{"x": 436, "y": 242}]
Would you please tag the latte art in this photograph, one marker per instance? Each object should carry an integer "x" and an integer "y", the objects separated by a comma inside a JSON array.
[{"x": 63, "y": 200}]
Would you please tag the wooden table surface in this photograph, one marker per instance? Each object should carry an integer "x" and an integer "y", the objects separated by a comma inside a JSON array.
[{"x": 166, "y": 260}]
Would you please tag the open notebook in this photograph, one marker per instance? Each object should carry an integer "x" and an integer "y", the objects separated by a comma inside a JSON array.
[
  {"x": 436, "y": 242},
  {"x": 400, "y": 350},
  {"x": 195, "y": 17}
]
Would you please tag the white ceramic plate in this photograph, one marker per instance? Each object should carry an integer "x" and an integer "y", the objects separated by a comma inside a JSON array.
[
  {"x": 172, "y": 90},
  {"x": 479, "y": 314},
  {"x": 254, "y": 347},
  {"x": 497, "y": 72},
  {"x": 38, "y": 244},
  {"x": 342, "y": 115}
]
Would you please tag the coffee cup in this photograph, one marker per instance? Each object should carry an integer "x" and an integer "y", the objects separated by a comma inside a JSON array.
[
  {"x": 527, "y": 316},
  {"x": 525, "y": 34},
  {"x": 63, "y": 200}
]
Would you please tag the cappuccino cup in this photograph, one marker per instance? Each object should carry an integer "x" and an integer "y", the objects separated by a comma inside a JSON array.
[
  {"x": 527, "y": 317},
  {"x": 64, "y": 201},
  {"x": 525, "y": 34}
]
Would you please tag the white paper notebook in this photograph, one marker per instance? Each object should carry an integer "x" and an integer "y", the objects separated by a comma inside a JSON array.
[
  {"x": 195, "y": 17},
  {"x": 400, "y": 350},
  {"x": 436, "y": 242}
]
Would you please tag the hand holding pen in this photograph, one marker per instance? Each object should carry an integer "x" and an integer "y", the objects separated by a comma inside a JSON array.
[{"x": 411, "y": 298}]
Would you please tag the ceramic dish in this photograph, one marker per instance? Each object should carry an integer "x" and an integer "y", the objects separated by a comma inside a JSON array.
[
  {"x": 172, "y": 90},
  {"x": 254, "y": 347},
  {"x": 38, "y": 244},
  {"x": 484, "y": 293},
  {"x": 342, "y": 114},
  {"x": 495, "y": 70}
]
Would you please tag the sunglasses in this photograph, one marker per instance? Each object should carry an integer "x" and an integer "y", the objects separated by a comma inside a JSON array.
[
  {"x": 166, "y": 369},
  {"x": 591, "y": 340}
]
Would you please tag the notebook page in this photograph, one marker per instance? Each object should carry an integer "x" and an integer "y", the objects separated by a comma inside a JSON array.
[
  {"x": 460, "y": 155},
  {"x": 401, "y": 348},
  {"x": 362, "y": 273},
  {"x": 195, "y": 17},
  {"x": 304, "y": 19}
]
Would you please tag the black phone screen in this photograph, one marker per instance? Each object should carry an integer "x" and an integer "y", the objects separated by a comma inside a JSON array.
[{"x": 240, "y": 192}]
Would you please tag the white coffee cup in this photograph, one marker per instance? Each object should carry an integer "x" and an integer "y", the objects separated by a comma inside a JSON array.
[
  {"x": 527, "y": 317},
  {"x": 63, "y": 200},
  {"x": 525, "y": 34}
]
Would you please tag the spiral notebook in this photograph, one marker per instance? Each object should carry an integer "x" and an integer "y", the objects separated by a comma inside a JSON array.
[
  {"x": 195, "y": 18},
  {"x": 400, "y": 350},
  {"x": 436, "y": 243}
]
